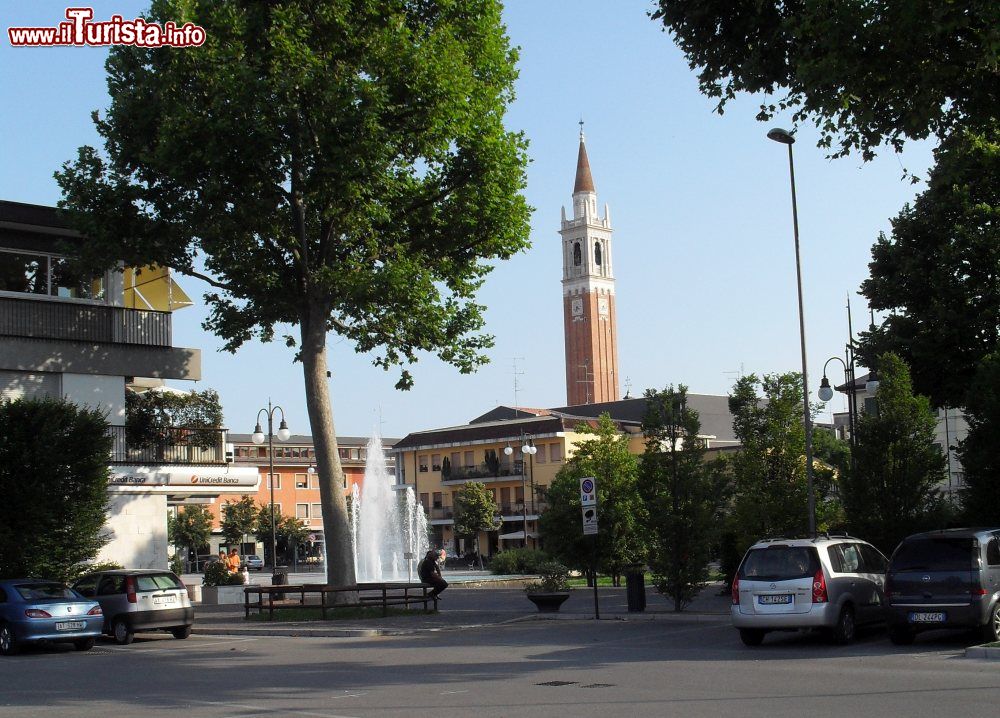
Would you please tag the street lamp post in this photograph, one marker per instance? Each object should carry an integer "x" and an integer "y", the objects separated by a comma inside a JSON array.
[
  {"x": 785, "y": 138},
  {"x": 258, "y": 438},
  {"x": 826, "y": 393},
  {"x": 528, "y": 449}
]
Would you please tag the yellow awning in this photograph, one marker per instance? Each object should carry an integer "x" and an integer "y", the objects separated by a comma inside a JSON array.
[{"x": 153, "y": 288}]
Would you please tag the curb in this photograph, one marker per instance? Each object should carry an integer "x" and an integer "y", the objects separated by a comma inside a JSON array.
[{"x": 986, "y": 653}]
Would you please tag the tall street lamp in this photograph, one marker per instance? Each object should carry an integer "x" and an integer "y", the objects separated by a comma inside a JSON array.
[
  {"x": 784, "y": 137},
  {"x": 258, "y": 438},
  {"x": 825, "y": 392},
  {"x": 528, "y": 449}
]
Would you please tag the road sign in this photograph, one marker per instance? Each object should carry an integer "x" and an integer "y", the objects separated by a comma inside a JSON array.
[
  {"x": 589, "y": 520},
  {"x": 588, "y": 491}
]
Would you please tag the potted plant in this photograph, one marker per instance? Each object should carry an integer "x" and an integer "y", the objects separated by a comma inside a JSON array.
[
  {"x": 551, "y": 589},
  {"x": 221, "y": 587}
]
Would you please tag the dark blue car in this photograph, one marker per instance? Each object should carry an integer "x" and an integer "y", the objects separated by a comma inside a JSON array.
[{"x": 33, "y": 610}]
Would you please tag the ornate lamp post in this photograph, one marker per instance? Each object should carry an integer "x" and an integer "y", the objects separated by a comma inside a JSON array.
[
  {"x": 528, "y": 449},
  {"x": 784, "y": 137},
  {"x": 258, "y": 438}
]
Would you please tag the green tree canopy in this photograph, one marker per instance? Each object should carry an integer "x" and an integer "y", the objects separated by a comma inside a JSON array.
[
  {"x": 54, "y": 482},
  {"x": 864, "y": 73},
  {"x": 768, "y": 473},
  {"x": 939, "y": 273},
  {"x": 334, "y": 165},
  {"x": 621, "y": 513},
  {"x": 895, "y": 488},
  {"x": 150, "y": 416},
  {"x": 191, "y": 528},
  {"x": 681, "y": 497},
  {"x": 239, "y": 519},
  {"x": 980, "y": 450},
  {"x": 475, "y": 510}
]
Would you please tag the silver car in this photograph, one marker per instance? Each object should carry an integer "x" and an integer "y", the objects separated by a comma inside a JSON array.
[
  {"x": 829, "y": 582},
  {"x": 139, "y": 600}
]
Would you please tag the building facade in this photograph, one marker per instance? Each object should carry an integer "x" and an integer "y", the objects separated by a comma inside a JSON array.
[
  {"x": 591, "y": 331},
  {"x": 296, "y": 484},
  {"x": 89, "y": 340},
  {"x": 435, "y": 464}
]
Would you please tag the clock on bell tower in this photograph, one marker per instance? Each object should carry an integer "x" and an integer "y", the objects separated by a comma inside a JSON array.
[{"x": 588, "y": 294}]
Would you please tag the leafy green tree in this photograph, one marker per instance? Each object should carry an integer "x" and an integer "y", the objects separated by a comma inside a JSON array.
[
  {"x": 680, "y": 496},
  {"x": 54, "y": 482},
  {"x": 288, "y": 534},
  {"x": 475, "y": 510},
  {"x": 978, "y": 452},
  {"x": 895, "y": 488},
  {"x": 335, "y": 166},
  {"x": 150, "y": 417},
  {"x": 863, "y": 73},
  {"x": 191, "y": 528},
  {"x": 621, "y": 539},
  {"x": 239, "y": 519},
  {"x": 768, "y": 473},
  {"x": 939, "y": 273}
]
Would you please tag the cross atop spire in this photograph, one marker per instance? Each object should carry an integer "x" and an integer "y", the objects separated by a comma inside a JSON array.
[{"x": 584, "y": 181}]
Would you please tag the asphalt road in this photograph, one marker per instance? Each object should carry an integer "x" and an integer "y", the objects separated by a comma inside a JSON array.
[{"x": 539, "y": 668}]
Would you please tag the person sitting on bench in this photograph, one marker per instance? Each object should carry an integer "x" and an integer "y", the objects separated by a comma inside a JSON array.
[{"x": 430, "y": 573}]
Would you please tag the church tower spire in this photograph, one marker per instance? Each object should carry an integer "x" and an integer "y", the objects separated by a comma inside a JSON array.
[{"x": 588, "y": 282}]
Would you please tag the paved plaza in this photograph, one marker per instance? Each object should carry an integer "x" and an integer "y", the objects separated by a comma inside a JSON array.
[{"x": 487, "y": 654}]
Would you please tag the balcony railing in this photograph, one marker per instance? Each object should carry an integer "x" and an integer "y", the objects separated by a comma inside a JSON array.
[
  {"x": 173, "y": 446},
  {"x": 70, "y": 321},
  {"x": 506, "y": 471}
]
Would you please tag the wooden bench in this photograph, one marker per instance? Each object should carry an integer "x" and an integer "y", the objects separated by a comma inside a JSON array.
[{"x": 369, "y": 594}]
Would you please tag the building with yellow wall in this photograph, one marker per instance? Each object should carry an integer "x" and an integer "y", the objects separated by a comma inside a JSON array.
[{"x": 436, "y": 463}]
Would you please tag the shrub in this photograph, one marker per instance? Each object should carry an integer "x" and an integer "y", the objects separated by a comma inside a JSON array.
[
  {"x": 518, "y": 561},
  {"x": 216, "y": 574},
  {"x": 554, "y": 578},
  {"x": 177, "y": 563}
]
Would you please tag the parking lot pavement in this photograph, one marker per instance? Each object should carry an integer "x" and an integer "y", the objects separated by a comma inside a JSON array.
[
  {"x": 579, "y": 668},
  {"x": 461, "y": 608}
]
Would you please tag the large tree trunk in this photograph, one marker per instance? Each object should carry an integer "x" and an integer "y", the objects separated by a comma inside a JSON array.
[{"x": 336, "y": 526}]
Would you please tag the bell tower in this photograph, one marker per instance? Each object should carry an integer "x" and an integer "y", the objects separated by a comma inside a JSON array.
[{"x": 588, "y": 294}]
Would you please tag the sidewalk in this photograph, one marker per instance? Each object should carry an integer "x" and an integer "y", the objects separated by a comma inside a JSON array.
[{"x": 462, "y": 607}]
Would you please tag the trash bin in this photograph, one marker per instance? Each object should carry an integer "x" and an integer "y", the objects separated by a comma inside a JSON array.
[
  {"x": 635, "y": 589},
  {"x": 279, "y": 578}
]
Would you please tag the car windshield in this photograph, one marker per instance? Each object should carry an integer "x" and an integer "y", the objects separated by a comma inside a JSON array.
[
  {"x": 157, "y": 582},
  {"x": 779, "y": 563},
  {"x": 935, "y": 554},
  {"x": 36, "y": 591}
]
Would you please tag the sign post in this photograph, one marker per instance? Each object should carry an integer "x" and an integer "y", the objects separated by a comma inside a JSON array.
[{"x": 588, "y": 505}]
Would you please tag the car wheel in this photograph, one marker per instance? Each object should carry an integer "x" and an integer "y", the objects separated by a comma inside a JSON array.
[
  {"x": 991, "y": 631},
  {"x": 181, "y": 633},
  {"x": 845, "y": 630},
  {"x": 83, "y": 644},
  {"x": 901, "y": 636},
  {"x": 122, "y": 633},
  {"x": 8, "y": 643},
  {"x": 751, "y": 636}
]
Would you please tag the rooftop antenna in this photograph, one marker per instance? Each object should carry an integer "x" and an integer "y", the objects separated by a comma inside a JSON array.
[
  {"x": 628, "y": 388},
  {"x": 738, "y": 373},
  {"x": 517, "y": 386}
]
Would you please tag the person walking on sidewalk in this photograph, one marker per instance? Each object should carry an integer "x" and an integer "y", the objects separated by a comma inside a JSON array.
[{"x": 430, "y": 573}]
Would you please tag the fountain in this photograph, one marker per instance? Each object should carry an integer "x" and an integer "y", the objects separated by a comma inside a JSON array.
[{"x": 388, "y": 527}]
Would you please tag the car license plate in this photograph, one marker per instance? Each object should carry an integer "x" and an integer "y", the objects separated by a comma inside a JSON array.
[
  {"x": 771, "y": 600},
  {"x": 927, "y": 617},
  {"x": 160, "y": 600},
  {"x": 70, "y": 625}
]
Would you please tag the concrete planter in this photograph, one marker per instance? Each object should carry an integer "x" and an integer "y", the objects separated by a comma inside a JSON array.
[
  {"x": 548, "y": 602},
  {"x": 194, "y": 592},
  {"x": 221, "y": 595}
]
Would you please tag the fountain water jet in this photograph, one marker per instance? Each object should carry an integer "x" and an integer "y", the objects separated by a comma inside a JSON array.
[{"x": 387, "y": 524}]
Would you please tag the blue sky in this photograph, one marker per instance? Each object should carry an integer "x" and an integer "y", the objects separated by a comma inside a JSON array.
[{"x": 700, "y": 205}]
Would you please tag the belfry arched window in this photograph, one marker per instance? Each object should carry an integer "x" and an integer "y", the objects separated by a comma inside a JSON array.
[
  {"x": 597, "y": 253},
  {"x": 577, "y": 255}
]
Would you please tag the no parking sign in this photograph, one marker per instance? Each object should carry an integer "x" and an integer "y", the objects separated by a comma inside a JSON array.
[{"x": 588, "y": 491}]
